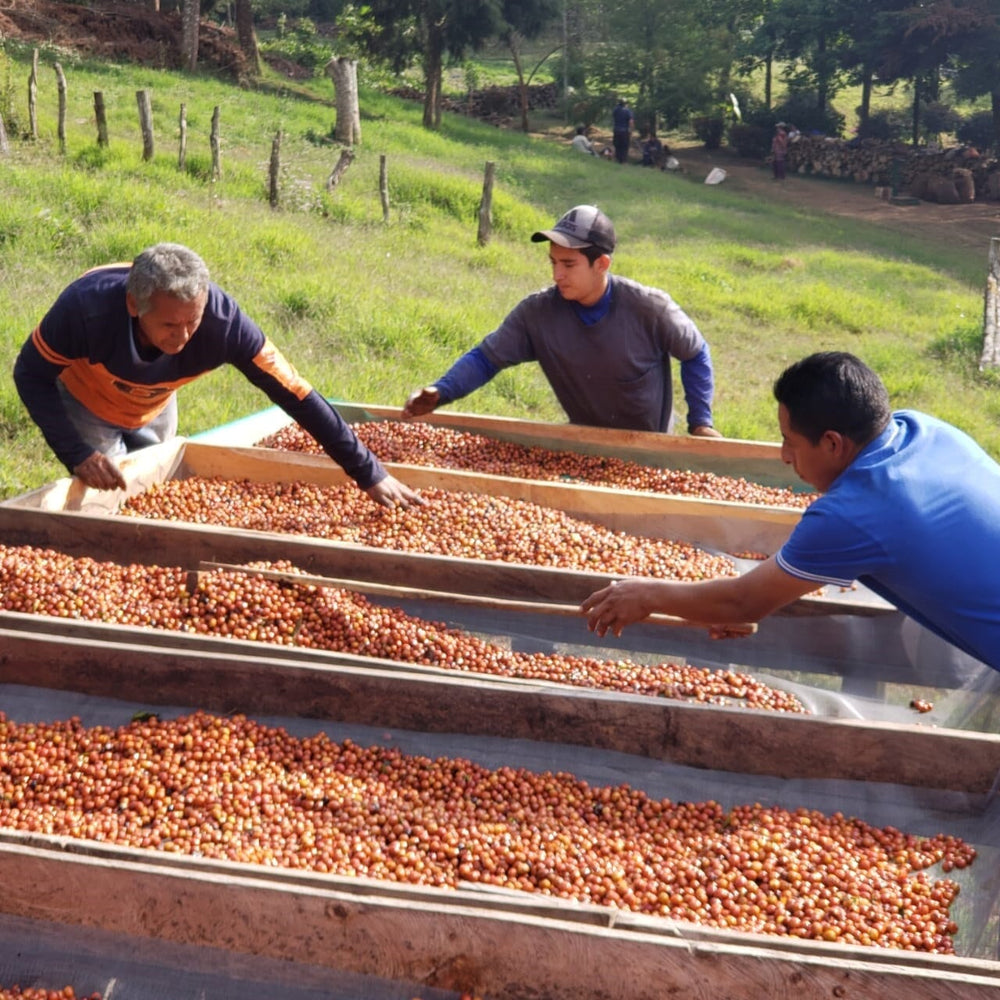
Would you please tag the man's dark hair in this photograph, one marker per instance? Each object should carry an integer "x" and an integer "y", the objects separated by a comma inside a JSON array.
[
  {"x": 833, "y": 391},
  {"x": 592, "y": 253}
]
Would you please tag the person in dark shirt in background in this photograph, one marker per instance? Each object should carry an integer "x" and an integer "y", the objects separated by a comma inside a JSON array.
[{"x": 621, "y": 129}]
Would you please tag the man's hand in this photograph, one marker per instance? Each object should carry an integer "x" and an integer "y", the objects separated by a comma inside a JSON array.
[
  {"x": 390, "y": 492},
  {"x": 100, "y": 473},
  {"x": 704, "y": 431},
  {"x": 621, "y": 603},
  {"x": 421, "y": 402}
]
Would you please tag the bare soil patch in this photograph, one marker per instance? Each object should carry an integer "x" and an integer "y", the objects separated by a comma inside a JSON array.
[
  {"x": 964, "y": 226},
  {"x": 119, "y": 32}
]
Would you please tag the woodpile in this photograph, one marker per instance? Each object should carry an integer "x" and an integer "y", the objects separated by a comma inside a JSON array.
[
  {"x": 497, "y": 105},
  {"x": 950, "y": 176}
]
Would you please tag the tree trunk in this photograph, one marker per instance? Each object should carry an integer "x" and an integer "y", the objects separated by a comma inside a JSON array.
[
  {"x": 864, "y": 111},
  {"x": 514, "y": 43},
  {"x": 433, "y": 63},
  {"x": 768, "y": 80},
  {"x": 995, "y": 108},
  {"x": 344, "y": 73},
  {"x": 246, "y": 35},
  {"x": 191, "y": 13}
]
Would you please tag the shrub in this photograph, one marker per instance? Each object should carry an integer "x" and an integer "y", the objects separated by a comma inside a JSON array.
[
  {"x": 886, "y": 126},
  {"x": 801, "y": 111},
  {"x": 978, "y": 130},
  {"x": 709, "y": 130},
  {"x": 937, "y": 118},
  {"x": 750, "y": 140}
]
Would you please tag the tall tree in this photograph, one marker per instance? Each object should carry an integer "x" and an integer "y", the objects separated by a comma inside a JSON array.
[
  {"x": 811, "y": 35},
  {"x": 922, "y": 42},
  {"x": 190, "y": 19},
  {"x": 672, "y": 56},
  {"x": 431, "y": 30},
  {"x": 246, "y": 35},
  {"x": 525, "y": 19},
  {"x": 974, "y": 38}
]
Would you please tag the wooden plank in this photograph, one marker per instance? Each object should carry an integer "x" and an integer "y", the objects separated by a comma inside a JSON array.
[
  {"x": 412, "y": 593},
  {"x": 453, "y": 940},
  {"x": 227, "y": 675}
]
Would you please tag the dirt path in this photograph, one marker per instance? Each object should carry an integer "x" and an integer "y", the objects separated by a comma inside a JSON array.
[{"x": 969, "y": 226}]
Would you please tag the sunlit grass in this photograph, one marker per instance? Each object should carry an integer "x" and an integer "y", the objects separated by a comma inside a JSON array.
[{"x": 369, "y": 310}]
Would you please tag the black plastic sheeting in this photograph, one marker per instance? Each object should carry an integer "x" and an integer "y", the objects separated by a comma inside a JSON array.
[{"x": 118, "y": 967}]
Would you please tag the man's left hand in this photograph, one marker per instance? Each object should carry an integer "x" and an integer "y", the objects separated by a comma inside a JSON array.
[
  {"x": 704, "y": 432},
  {"x": 390, "y": 492}
]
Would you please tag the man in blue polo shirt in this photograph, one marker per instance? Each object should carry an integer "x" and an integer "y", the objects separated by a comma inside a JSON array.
[{"x": 909, "y": 508}]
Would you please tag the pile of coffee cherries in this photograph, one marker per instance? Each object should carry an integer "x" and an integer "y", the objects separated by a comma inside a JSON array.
[
  {"x": 408, "y": 443},
  {"x": 41, "y": 993},
  {"x": 451, "y": 523},
  {"x": 234, "y": 789},
  {"x": 254, "y": 607}
]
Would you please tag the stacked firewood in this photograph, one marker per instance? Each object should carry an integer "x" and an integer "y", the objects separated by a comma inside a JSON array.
[
  {"x": 950, "y": 176},
  {"x": 493, "y": 104}
]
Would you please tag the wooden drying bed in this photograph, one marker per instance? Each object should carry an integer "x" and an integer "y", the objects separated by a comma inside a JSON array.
[
  {"x": 814, "y": 634},
  {"x": 712, "y": 524},
  {"x": 505, "y": 946},
  {"x": 757, "y": 461},
  {"x": 162, "y": 667}
]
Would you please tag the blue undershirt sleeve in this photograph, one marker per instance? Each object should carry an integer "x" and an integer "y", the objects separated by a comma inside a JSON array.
[
  {"x": 470, "y": 372},
  {"x": 699, "y": 387}
]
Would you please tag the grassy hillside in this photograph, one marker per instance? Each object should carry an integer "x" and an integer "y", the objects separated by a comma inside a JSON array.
[{"x": 368, "y": 310}]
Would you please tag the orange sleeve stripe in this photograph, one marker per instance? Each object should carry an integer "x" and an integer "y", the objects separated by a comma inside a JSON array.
[
  {"x": 53, "y": 357},
  {"x": 273, "y": 362},
  {"x": 116, "y": 400}
]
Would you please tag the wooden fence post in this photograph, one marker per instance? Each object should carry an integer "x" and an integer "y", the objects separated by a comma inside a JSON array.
[
  {"x": 61, "y": 83},
  {"x": 145, "y": 122},
  {"x": 486, "y": 207},
  {"x": 182, "y": 125},
  {"x": 383, "y": 186},
  {"x": 275, "y": 170},
  {"x": 214, "y": 140},
  {"x": 33, "y": 96},
  {"x": 4, "y": 146},
  {"x": 102, "y": 119},
  {"x": 990, "y": 357}
]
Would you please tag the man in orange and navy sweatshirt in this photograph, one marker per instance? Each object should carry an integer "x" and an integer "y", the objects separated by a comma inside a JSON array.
[{"x": 99, "y": 374}]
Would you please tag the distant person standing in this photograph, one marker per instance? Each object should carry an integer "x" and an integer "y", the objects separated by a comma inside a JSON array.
[
  {"x": 779, "y": 151},
  {"x": 622, "y": 120}
]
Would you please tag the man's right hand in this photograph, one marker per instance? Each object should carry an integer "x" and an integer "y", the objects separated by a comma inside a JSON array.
[
  {"x": 100, "y": 473},
  {"x": 421, "y": 402}
]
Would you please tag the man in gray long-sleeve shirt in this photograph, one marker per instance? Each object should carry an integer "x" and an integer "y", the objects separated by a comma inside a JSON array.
[{"x": 605, "y": 344}]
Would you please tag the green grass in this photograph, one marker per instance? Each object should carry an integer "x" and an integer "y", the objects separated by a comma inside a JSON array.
[{"x": 369, "y": 310}]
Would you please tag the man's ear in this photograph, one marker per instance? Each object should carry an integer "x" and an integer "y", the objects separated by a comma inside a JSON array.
[
  {"x": 131, "y": 305},
  {"x": 834, "y": 443},
  {"x": 603, "y": 262}
]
